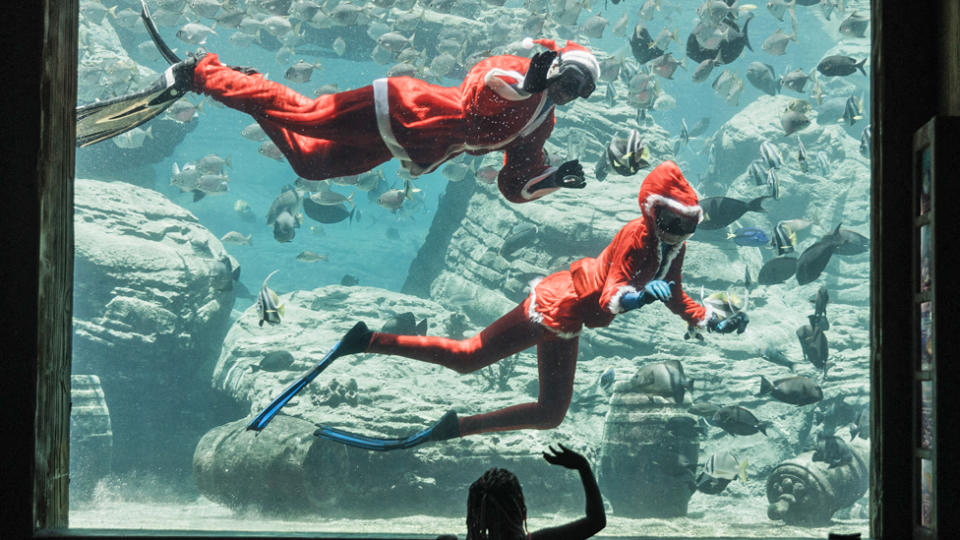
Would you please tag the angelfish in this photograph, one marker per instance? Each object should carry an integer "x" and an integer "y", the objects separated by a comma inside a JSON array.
[{"x": 268, "y": 307}]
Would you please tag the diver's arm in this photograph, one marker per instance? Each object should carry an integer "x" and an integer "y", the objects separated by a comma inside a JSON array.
[
  {"x": 596, "y": 518},
  {"x": 526, "y": 166},
  {"x": 680, "y": 303}
]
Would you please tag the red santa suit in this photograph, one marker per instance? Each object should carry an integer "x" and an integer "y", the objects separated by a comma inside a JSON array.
[
  {"x": 421, "y": 124},
  {"x": 588, "y": 293}
]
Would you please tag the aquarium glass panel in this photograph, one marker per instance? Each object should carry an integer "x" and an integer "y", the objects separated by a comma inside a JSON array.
[{"x": 337, "y": 259}]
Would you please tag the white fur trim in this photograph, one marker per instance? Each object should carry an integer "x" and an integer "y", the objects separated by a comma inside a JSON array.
[
  {"x": 381, "y": 105},
  {"x": 585, "y": 59},
  {"x": 532, "y": 312},
  {"x": 532, "y": 183},
  {"x": 615, "y": 306},
  {"x": 558, "y": 333},
  {"x": 527, "y": 43},
  {"x": 706, "y": 316},
  {"x": 536, "y": 317},
  {"x": 654, "y": 200},
  {"x": 509, "y": 92},
  {"x": 539, "y": 115},
  {"x": 665, "y": 265}
]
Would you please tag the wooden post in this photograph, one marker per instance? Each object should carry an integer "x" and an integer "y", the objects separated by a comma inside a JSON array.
[{"x": 57, "y": 96}]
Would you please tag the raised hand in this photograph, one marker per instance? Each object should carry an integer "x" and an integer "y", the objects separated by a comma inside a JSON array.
[
  {"x": 535, "y": 79},
  {"x": 566, "y": 458},
  {"x": 570, "y": 175}
]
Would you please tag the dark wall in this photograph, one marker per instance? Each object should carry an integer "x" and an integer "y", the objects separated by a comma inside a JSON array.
[{"x": 19, "y": 247}]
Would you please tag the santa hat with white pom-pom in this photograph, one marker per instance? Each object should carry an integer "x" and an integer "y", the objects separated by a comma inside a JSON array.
[{"x": 573, "y": 52}]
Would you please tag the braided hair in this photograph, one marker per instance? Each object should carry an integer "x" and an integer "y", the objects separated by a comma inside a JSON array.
[{"x": 495, "y": 507}]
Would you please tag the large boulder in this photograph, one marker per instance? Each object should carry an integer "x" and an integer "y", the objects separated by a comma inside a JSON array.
[{"x": 153, "y": 291}]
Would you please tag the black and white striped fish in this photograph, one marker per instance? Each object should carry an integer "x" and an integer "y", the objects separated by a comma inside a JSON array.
[{"x": 268, "y": 307}]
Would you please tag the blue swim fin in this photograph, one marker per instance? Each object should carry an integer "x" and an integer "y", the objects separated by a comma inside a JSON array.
[
  {"x": 447, "y": 427},
  {"x": 354, "y": 341}
]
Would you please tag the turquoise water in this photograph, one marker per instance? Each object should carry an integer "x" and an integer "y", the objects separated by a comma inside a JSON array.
[{"x": 378, "y": 248}]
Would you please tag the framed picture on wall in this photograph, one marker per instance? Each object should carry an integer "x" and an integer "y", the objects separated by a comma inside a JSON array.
[
  {"x": 926, "y": 493},
  {"x": 927, "y": 431},
  {"x": 926, "y": 246},
  {"x": 926, "y": 178},
  {"x": 926, "y": 336}
]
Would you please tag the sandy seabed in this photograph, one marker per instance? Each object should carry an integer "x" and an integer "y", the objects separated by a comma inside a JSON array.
[{"x": 737, "y": 518}]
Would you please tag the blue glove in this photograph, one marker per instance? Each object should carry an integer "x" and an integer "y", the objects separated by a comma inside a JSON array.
[
  {"x": 736, "y": 322},
  {"x": 652, "y": 292},
  {"x": 658, "y": 289}
]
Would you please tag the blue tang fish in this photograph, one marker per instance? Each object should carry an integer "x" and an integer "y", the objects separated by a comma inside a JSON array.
[{"x": 750, "y": 237}]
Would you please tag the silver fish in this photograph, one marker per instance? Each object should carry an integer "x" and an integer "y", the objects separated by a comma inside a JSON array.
[
  {"x": 855, "y": 25},
  {"x": 270, "y": 149},
  {"x": 779, "y": 7},
  {"x": 300, "y": 72},
  {"x": 393, "y": 199},
  {"x": 793, "y": 121},
  {"x": 253, "y": 132},
  {"x": 213, "y": 164},
  {"x": 594, "y": 26},
  {"x": 394, "y": 42},
  {"x": 795, "y": 80},
  {"x": 776, "y": 43},
  {"x": 194, "y": 33}
]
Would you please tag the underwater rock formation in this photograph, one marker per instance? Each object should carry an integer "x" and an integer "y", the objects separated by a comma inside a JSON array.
[
  {"x": 91, "y": 436},
  {"x": 152, "y": 299}
]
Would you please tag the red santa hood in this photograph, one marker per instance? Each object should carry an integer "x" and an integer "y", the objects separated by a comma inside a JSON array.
[{"x": 665, "y": 186}]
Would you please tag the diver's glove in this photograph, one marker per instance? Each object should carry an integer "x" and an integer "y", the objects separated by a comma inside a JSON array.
[
  {"x": 568, "y": 175},
  {"x": 653, "y": 291},
  {"x": 535, "y": 79},
  {"x": 182, "y": 71},
  {"x": 658, "y": 289},
  {"x": 737, "y": 322}
]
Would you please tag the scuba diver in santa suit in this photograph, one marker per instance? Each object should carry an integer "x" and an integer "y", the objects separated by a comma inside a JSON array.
[
  {"x": 641, "y": 265},
  {"x": 505, "y": 103}
]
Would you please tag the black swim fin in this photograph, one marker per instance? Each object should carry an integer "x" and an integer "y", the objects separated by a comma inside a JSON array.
[
  {"x": 105, "y": 119},
  {"x": 354, "y": 341},
  {"x": 448, "y": 427}
]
